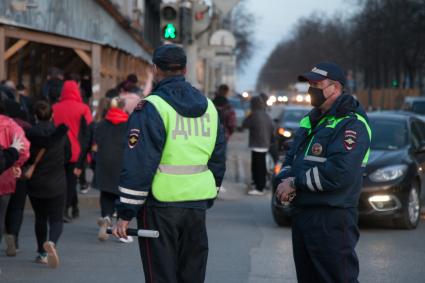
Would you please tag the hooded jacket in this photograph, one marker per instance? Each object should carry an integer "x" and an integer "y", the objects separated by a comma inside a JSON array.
[
  {"x": 326, "y": 159},
  {"x": 71, "y": 111},
  {"x": 109, "y": 136},
  {"x": 260, "y": 125},
  {"x": 8, "y": 129},
  {"x": 141, "y": 162},
  {"x": 48, "y": 179}
]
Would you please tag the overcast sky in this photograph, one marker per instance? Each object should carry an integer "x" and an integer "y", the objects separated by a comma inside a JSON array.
[{"x": 275, "y": 21}]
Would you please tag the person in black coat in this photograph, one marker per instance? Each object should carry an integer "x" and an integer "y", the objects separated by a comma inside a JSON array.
[
  {"x": 109, "y": 137},
  {"x": 47, "y": 186},
  {"x": 261, "y": 129}
]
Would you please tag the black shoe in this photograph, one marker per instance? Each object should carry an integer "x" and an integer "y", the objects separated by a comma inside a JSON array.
[
  {"x": 67, "y": 219},
  {"x": 75, "y": 212}
]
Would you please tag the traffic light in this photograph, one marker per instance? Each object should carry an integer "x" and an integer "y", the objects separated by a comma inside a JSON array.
[
  {"x": 394, "y": 84},
  {"x": 170, "y": 22}
]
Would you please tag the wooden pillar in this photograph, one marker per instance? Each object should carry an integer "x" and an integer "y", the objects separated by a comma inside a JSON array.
[
  {"x": 2, "y": 54},
  {"x": 96, "y": 53},
  {"x": 114, "y": 67}
]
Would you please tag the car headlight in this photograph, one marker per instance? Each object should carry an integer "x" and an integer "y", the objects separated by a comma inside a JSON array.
[
  {"x": 389, "y": 173},
  {"x": 285, "y": 133}
]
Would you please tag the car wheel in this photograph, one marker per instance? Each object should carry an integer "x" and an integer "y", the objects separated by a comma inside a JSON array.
[
  {"x": 411, "y": 210},
  {"x": 279, "y": 218}
]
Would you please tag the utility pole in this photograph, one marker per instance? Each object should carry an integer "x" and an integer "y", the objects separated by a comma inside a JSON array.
[{"x": 189, "y": 43}]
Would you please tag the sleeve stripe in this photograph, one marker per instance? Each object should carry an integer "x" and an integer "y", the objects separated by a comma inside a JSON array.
[
  {"x": 315, "y": 158},
  {"x": 309, "y": 184},
  {"x": 131, "y": 201},
  {"x": 317, "y": 178},
  {"x": 133, "y": 192}
]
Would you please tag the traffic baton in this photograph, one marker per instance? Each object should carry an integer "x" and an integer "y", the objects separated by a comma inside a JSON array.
[{"x": 138, "y": 232}]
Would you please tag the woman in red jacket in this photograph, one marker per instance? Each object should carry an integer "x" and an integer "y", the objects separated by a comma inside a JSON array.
[{"x": 9, "y": 130}]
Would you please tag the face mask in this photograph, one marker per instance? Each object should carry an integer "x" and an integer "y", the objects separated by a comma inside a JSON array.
[{"x": 317, "y": 96}]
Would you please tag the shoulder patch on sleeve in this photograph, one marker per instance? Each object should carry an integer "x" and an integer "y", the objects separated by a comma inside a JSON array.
[
  {"x": 133, "y": 138},
  {"x": 140, "y": 105},
  {"x": 350, "y": 139}
]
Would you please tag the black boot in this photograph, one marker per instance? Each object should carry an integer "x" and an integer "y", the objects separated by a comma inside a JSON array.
[
  {"x": 66, "y": 217},
  {"x": 75, "y": 212}
]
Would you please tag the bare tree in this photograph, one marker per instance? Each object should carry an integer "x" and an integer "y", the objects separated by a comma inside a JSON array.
[{"x": 384, "y": 43}]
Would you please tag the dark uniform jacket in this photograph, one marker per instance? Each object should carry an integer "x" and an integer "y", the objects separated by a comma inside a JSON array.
[
  {"x": 327, "y": 163},
  {"x": 146, "y": 139}
]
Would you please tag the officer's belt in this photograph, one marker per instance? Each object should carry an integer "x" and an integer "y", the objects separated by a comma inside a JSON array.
[{"x": 182, "y": 169}]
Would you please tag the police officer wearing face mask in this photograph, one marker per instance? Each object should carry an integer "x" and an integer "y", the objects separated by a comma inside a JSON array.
[
  {"x": 173, "y": 163},
  {"x": 322, "y": 177}
]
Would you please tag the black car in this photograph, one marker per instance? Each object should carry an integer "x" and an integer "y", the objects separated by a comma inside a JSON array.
[
  {"x": 394, "y": 176},
  {"x": 288, "y": 123}
]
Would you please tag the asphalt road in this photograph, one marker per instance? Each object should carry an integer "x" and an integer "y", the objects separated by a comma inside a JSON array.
[{"x": 245, "y": 246}]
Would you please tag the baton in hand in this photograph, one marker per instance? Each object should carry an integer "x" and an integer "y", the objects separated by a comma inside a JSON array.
[{"x": 138, "y": 233}]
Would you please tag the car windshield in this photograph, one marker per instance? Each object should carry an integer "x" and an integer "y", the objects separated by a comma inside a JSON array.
[
  {"x": 294, "y": 115},
  {"x": 418, "y": 107},
  {"x": 388, "y": 134}
]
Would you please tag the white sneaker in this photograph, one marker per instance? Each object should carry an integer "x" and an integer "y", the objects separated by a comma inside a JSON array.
[
  {"x": 255, "y": 193},
  {"x": 126, "y": 241},
  {"x": 41, "y": 258},
  {"x": 222, "y": 189},
  {"x": 85, "y": 190}
]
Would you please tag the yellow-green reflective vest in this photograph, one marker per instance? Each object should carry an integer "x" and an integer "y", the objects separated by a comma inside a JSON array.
[
  {"x": 332, "y": 123},
  {"x": 183, "y": 174}
]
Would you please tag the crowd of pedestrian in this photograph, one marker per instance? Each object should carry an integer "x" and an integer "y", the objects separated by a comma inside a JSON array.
[{"x": 47, "y": 141}]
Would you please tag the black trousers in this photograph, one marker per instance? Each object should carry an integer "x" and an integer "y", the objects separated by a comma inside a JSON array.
[
  {"x": 15, "y": 210},
  {"x": 259, "y": 169},
  {"x": 82, "y": 179},
  {"x": 4, "y": 201},
  {"x": 48, "y": 219},
  {"x": 180, "y": 253},
  {"x": 323, "y": 241},
  {"x": 71, "y": 182},
  {"x": 107, "y": 203}
]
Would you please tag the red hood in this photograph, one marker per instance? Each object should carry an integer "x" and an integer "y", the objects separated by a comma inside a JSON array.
[
  {"x": 70, "y": 91},
  {"x": 116, "y": 116}
]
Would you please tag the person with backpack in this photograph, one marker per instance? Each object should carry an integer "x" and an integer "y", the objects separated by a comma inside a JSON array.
[{"x": 225, "y": 111}]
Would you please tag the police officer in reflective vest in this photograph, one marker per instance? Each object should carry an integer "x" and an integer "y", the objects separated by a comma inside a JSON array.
[
  {"x": 322, "y": 176},
  {"x": 174, "y": 163}
]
